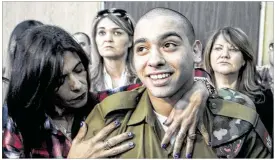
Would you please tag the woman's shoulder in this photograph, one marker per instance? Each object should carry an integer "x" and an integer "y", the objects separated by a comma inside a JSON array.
[
  {"x": 10, "y": 126},
  {"x": 12, "y": 142}
]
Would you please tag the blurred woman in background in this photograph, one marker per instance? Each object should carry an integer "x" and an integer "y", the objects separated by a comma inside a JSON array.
[{"x": 112, "y": 38}]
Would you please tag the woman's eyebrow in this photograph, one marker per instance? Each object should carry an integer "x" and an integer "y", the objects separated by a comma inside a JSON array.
[
  {"x": 101, "y": 28},
  {"x": 115, "y": 28}
]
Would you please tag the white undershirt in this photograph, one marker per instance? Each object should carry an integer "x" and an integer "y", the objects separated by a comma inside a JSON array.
[
  {"x": 161, "y": 119},
  {"x": 108, "y": 80}
]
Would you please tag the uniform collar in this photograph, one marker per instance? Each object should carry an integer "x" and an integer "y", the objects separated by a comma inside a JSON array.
[
  {"x": 136, "y": 100},
  {"x": 139, "y": 103},
  {"x": 143, "y": 111},
  {"x": 121, "y": 101}
]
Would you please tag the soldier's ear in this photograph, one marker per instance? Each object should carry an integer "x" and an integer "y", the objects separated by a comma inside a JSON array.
[{"x": 197, "y": 51}]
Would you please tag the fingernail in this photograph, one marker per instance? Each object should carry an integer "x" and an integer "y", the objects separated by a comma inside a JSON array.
[
  {"x": 164, "y": 146},
  {"x": 130, "y": 134},
  {"x": 131, "y": 144},
  {"x": 81, "y": 123},
  {"x": 176, "y": 156},
  {"x": 117, "y": 123},
  {"x": 189, "y": 155}
]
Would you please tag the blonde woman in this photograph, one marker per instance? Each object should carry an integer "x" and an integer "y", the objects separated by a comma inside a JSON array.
[{"x": 112, "y": 34}]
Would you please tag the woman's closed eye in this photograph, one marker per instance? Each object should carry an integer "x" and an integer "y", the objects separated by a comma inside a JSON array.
[{"x": 79, "y": 69}]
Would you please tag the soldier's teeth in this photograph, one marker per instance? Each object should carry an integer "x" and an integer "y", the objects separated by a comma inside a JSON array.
[{"x": 160, "y": 76}]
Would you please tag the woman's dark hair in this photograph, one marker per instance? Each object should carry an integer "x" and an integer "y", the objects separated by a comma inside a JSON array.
[
  {"x": 17, "y": 31},
  {"x": 35, "y": 78}
]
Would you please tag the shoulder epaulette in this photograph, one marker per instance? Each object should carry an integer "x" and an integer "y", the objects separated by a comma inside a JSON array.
[{"x": 241, "y": 113}]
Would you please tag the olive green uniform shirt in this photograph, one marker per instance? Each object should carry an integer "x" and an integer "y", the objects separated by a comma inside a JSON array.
[{"x": 136, "y": 115}]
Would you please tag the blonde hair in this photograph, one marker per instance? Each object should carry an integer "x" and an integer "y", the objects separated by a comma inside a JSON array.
[
  {"x": 96, "y": 69},
  {"x": 247, "y": 81}
]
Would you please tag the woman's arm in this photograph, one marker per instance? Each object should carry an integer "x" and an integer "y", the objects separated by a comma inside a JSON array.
[
  {"x": 92, "y": 144},
  {"x": 185, "y": 116}
]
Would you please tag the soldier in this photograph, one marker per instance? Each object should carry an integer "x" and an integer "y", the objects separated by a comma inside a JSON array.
[{"x": 164, "y": 53}]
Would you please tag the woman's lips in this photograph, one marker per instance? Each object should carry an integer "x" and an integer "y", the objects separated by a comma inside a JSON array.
[
  {"x": 223, "y": 63},
  {"x": 79, "y": 97},
  {"x": 108, "y": 47}
]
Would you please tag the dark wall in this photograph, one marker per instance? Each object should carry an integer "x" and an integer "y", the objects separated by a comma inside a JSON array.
[{"x": 205, "y": 16}]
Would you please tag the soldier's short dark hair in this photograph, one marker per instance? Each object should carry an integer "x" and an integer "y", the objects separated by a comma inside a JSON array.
[{"x": 190, "y": 33}]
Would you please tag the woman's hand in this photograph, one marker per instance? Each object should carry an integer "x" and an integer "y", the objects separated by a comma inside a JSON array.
[
  {"x": 185, "y": 118},
  {"x": 98, "y": 146}
]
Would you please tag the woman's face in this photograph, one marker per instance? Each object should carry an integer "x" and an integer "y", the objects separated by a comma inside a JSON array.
[
  {"x": 225, "y": 58},
  {"x": 112, "y": 41},
  {"x": 74, "y": 90}
]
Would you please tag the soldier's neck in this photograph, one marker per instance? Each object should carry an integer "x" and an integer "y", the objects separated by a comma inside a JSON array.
[{"x": 164, "y": 106}]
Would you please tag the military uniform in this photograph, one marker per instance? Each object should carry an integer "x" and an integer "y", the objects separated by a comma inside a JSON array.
[{"x": 136, "y": 115}]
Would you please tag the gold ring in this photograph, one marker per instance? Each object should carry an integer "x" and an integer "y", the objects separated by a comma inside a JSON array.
[{"x": 107, "y": 145}]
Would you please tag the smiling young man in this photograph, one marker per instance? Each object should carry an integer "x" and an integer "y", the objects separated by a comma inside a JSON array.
[{"x": 164, "y": 53}]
